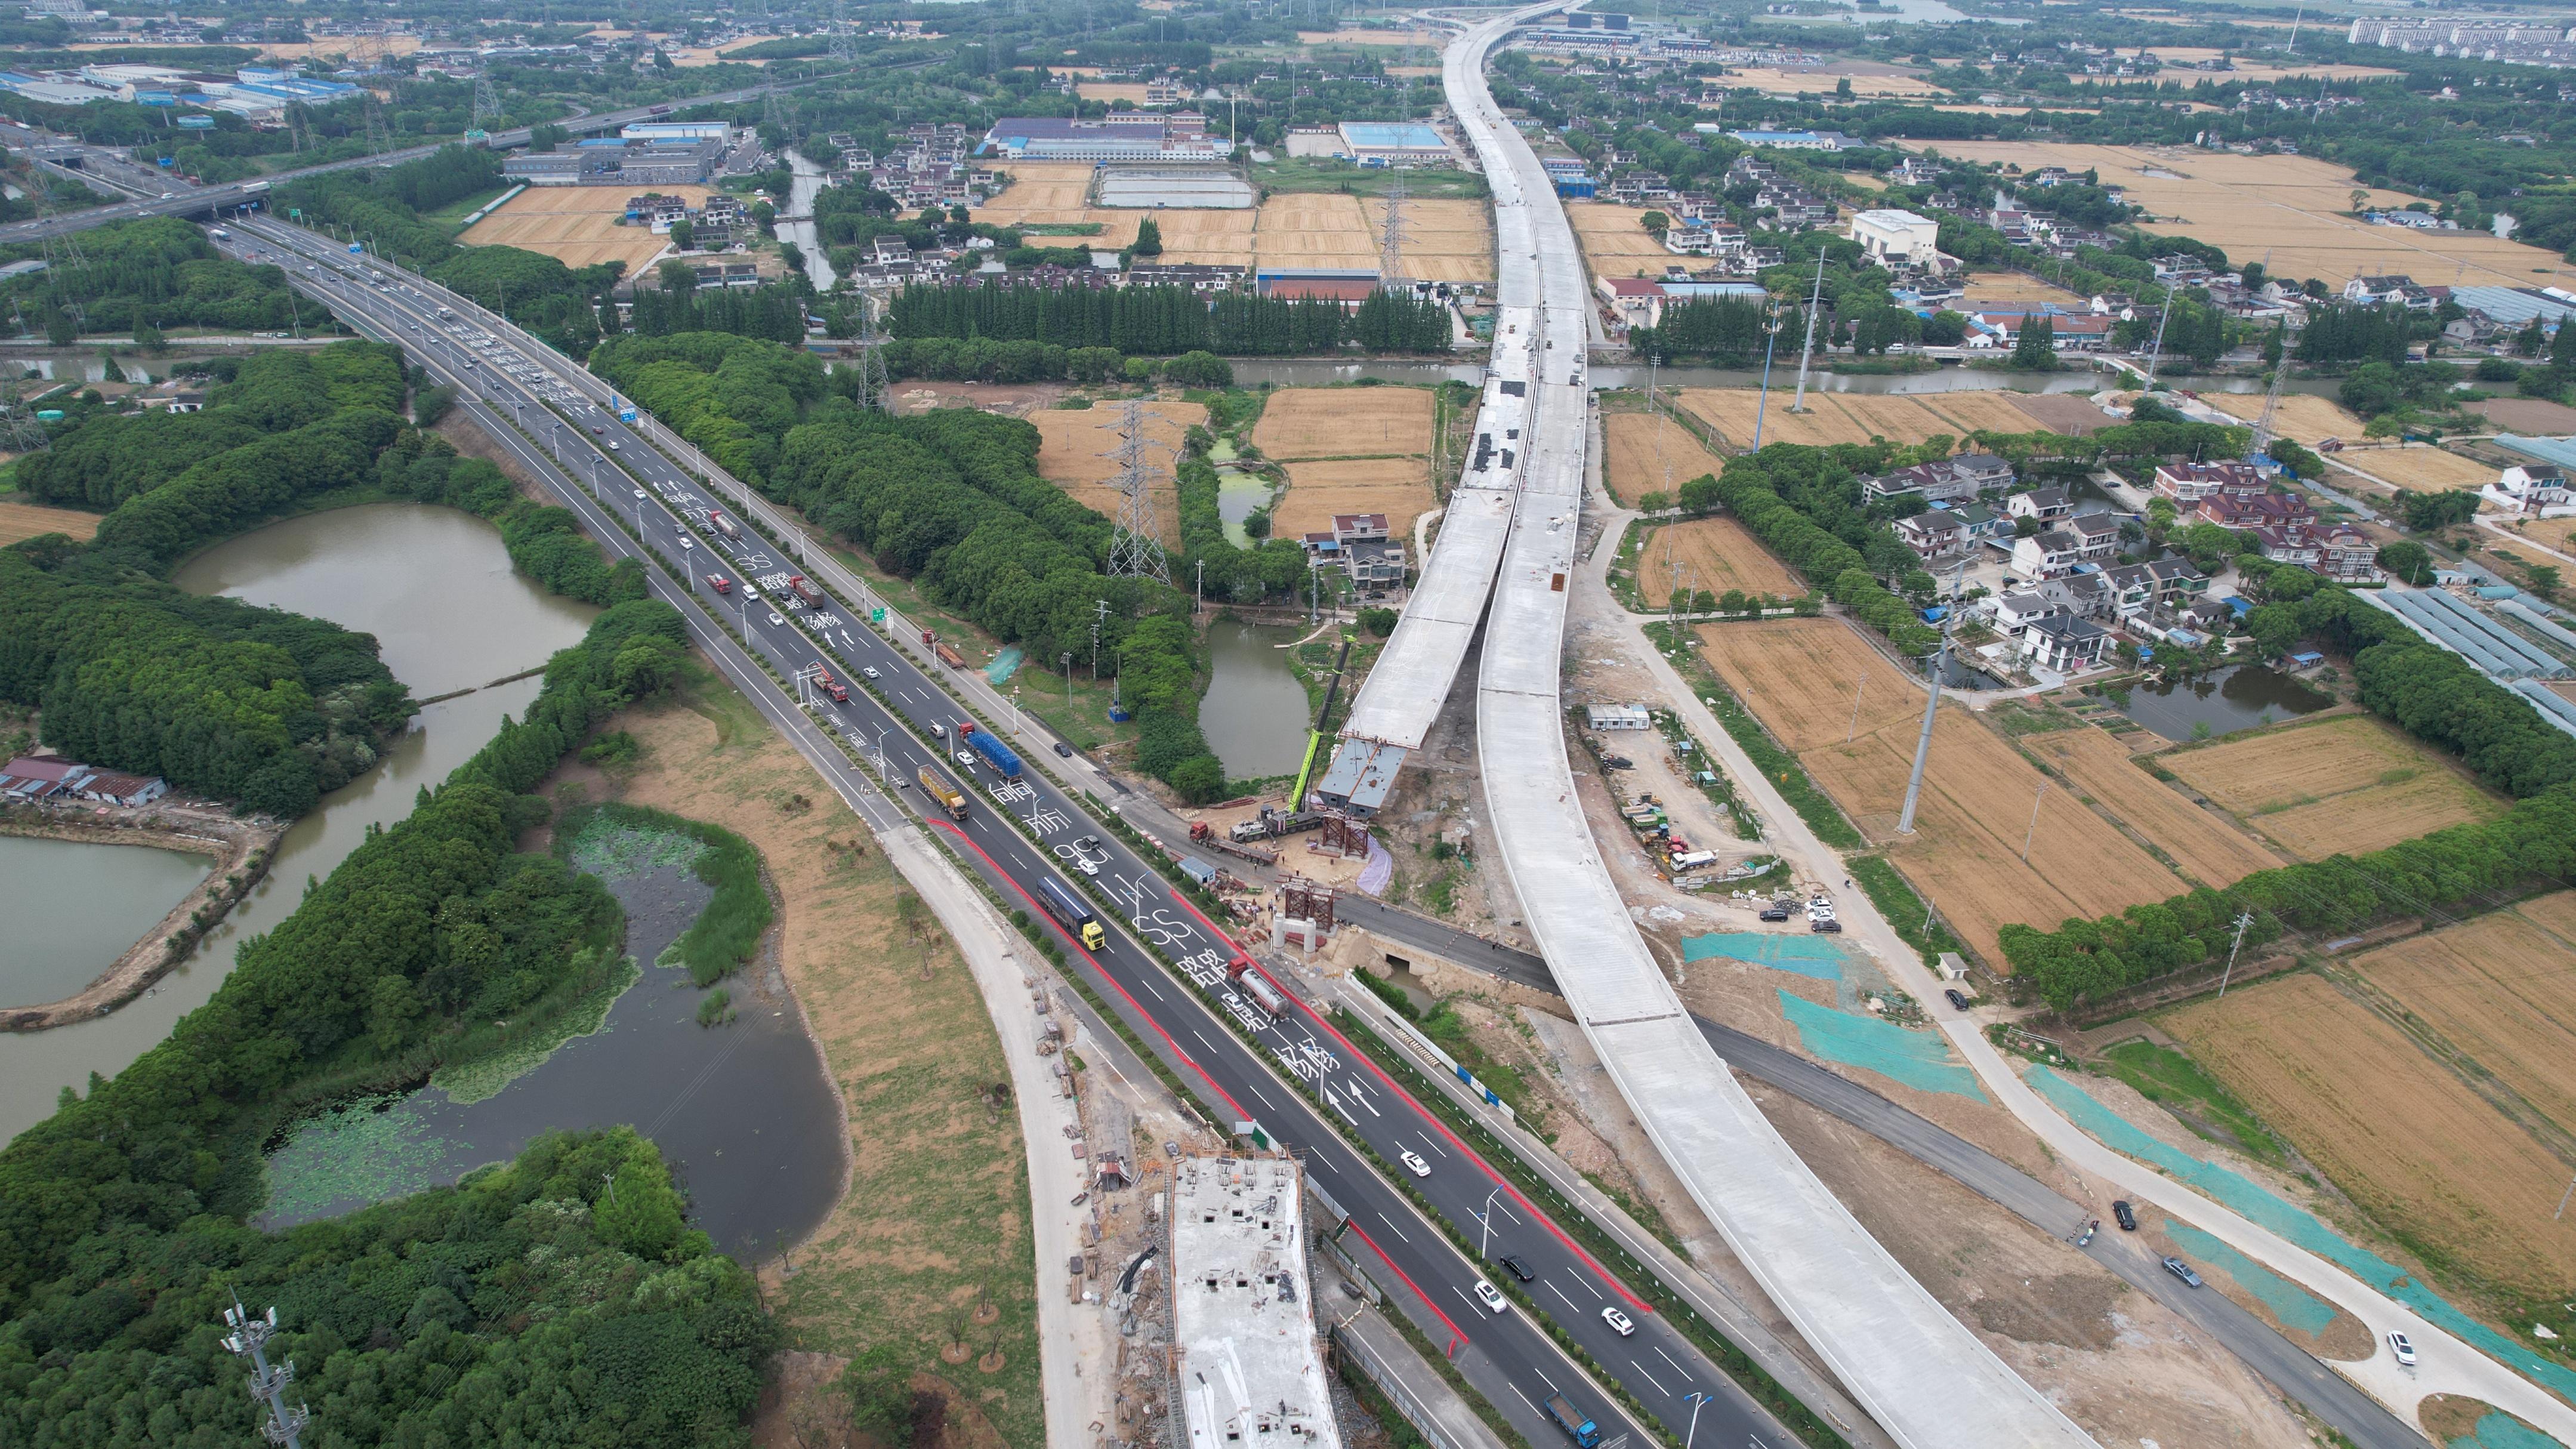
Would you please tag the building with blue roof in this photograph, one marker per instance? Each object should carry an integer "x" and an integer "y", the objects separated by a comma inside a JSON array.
[{"x": 1395, "y": 143}]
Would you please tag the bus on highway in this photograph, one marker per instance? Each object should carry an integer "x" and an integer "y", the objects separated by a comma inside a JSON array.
[{"x": 1065, "y": 906}]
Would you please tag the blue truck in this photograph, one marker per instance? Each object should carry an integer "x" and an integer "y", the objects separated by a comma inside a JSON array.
[
  {"x": 1573, "y": 1421},
  {"x": 995, "y": 753}
]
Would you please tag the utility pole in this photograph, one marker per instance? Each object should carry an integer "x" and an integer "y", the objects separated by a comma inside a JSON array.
[
  {"x": 1099, "y": 612},
  {"x": 2243, "y": 920},
  {"x": 249, "y": 1339},
  {"x": 1762, "y": 403},
  {"x": 1814, "y": 297},
  {"x": 2155, "y": 354},
  {"x": 1858, "y": 691},
  {"x": 2032, "y": 833},
  {"x": 1931, "y": 707}
]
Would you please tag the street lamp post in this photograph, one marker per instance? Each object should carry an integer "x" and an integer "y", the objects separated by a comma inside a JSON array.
[
  {"x": 1698, "y": 1400},
  {"x": 1485, "y": 1216}
]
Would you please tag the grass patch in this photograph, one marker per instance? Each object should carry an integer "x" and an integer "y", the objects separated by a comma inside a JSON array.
[
  {"x": 452, "y": 216},
  {"x": 1304, "y": 174},
  {"x": 617, "y": 839},
  {"x": 1788, "y": 776},
  {"x": 1060, "y": 228},
  {"x": 481, "y": 1077},
  {"x": 2172, "y": 1080},
  {"x": 1903, "y": 909}
]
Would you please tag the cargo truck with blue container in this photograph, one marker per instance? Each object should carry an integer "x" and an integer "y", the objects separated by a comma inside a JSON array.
[
  {"x": 1573, "y": 1421},
  {"x": 1071, "y": 913},
  {"x": 993, "y": 751}
]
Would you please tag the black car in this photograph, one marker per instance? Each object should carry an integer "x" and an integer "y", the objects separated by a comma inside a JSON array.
[
  {"x": 1518, "y": 1268},
  {"x": 1617, "y": 762},
  {"x": 1064, "y": 749},
  {"x": 1775, "y": 913},
  {"x": 2127, "y": 1215},
  {"x": 1826, "y": 927},
  {"x": 1956, "y": 999}
]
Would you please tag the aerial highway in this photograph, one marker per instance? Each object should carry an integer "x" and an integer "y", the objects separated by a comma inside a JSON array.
[{"x": 1018, "y": 834}]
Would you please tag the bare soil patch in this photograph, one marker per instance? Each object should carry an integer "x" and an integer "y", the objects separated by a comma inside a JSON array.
[
  {"x": 2303, "y": 417},
  {"x": 1074, "y": 449},
  {"x": 1715, "y": 554},
  {"x": 1612, "y": 241},
  {"x": 2418, "y": 469},
  {"x": 29, "y": 520},
  {"x": 579, "y": 226},
  {"x": 2501, "y": 989},
  {"x": 1632, "y": 469},
  {"x": 2528, "y": 415}
]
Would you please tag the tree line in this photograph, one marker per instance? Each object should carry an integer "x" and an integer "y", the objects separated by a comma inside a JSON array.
[
  {"x": 734, "y": 397},
  {"x": 1161, "y": 320},
  {"x": 140, "y": 277},
  {"x": 1804, "y": 504}
]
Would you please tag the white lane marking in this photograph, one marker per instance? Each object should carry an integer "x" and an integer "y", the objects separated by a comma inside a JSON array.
[
  {"x": 1336, "y": 1104},
  {"x": 1264, "y": 1096},
  {"x": 1586, "y": 1281},
  {"x": 1668, "y": 1358},
  {"x": 1535, "y": 1409},
  {"x": 1503, "y": 1206},
  {"x": 1391, "y": 1227},
  {"x": 1650, "y": 1378},
  {"x": 1560, "y": 1293},
  {"x": 1434, "y": 1146}
]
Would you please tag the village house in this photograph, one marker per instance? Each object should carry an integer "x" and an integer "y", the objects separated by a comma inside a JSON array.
[
  {"x": 1935, "y": 533},
  {"x": 2045, "y": 504},
  {"x": 2267, "y": 509},
  {"x": 2529, "y": 488},
  {"x": 2145, "y": 591},
  {"x": 2188, "y": 483},
  {"x": 52, "y": 780},
  {"x": 1951, "y": 480},
  {"x": 2046, "y": 554},
  {"x": 2063, "y": 643}
]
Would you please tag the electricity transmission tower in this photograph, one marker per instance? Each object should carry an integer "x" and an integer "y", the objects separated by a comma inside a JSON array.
[
  {"x": 249, "y": 1339},
  {"x": 487, "y": 108},
  {"x": 2271, "y": 405},
  {"x": 1931, "y": 707},
  {"x": 19, "y": 430},
  {"x": 1807, "y": 352},
  {"x": 1391, "y": 237},
  {"x": 1135, "y": 544},
  {"x": 876, "y": 389},
  {"x": 844, "y": 49}
]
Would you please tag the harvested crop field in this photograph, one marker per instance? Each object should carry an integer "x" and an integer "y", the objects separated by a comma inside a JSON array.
[
  {"x": 1073, "y": 451},
  {"x": 1993, "y": 288},
  {"x": 1856, "y": 417},
  {"x": 1444, "y": 240},
  {"x": 2302, "y": 418},
  {"x": 27, "y": 520},
  {"x": 2209, "y": 849},
  {"x": 2345, "y": 785},
  {"x": 1614, "y": 245},
  {"x": 1715, "y": 554},
  {"x": 1344, "y": 422},
  {"x": 2064, "y": 412},
  {"x": 1821, "y": 81},
  {"x": 1632, "y": 469},
  {"x": 2501, "y": 989},
  {"x": 2417, "y": 469},
  {"x": 2527, "y": 415},
  {"x": 1799, "y": 677},
  {"x": 579, "y": 226},
  {"x": 2425, "y": 1156},
  {"x": 1400, "y": 488},
  {"x": 2290, "y": 207}
]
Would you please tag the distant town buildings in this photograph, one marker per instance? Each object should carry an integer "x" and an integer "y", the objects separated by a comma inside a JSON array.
[
  {"x": 1118, "y": 136},
  {"x": 2488, "y": 39}
]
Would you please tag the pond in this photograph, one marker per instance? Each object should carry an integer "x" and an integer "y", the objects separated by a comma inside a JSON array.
[
  {"x": 74, "y": 907},
  {"x": 2238, "y": 697},
  {"x": 742, "y": 1110},
  {"x": 1255, "y": 715},
  {"x": 1239, "y": 495},
  {"x": 435, "y": 587}
]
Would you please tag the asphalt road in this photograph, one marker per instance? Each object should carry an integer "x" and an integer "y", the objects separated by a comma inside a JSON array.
[
  {"x": 2287, "y": 1367},
  {"x": 906, "y": 715}
]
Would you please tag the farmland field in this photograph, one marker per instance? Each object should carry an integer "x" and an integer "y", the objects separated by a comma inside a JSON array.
[
  {"x": 2418, "y": 469},
  {"x": 1314, "y": 229},
  {"x": 1854, "y": 417},
  {"x": 2424, "y": 1155},
  {"x": 27, "y": 520},
  {"x": 2302, "y": 418},
  {"x": 1400, "y": 488},
  {"x": 1073, "y": 450},
  {"x": 1344, "y": 422},
  {"x": 1631, "y": 469},
  {"x": 1994, "y": 288},
  {"x": 2290, "y": 207},
  {"x": 1613, "y": 244},
  {"x": 2499, "y": 989},
  {"x": 2527, "y": 415},
  {"x": 576, "y": 225},
  {"x": 2340, "y": 786},
  {"x": 1799, "y": 676},
  {"x": 1716, "y": 554},
  {"x": 2208, "y": 849},
  {"x": 1444, "y": 241},
  {"x": 1820, "y": 81}
]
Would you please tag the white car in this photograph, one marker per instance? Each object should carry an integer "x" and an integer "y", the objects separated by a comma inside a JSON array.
[
  {"x": 1618, "y": 1321},
  {"x": 870, "y": 671},
  {"x": 1086, "y": 865},
  {"x": 639, "y": 495},
  {"x": 687, "y": 542},
  {"x": 1490, "y": 1296},
  {"x": 2402, "y": 1346},
  {"x": 777, "y": 618},
  {"x": 1413, "y": 1162},
  {"x": 967, "y": 758},
  {"x": 612, "y": 443}
]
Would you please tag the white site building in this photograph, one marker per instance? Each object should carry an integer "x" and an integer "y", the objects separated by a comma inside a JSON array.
[
  {"x": 1248, "y": 1367},
  {"x": 1897, "y": 238}
]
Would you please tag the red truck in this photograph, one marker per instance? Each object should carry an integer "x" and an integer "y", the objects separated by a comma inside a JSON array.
[
  {"x": 824, "y": 681},
  {"x": 722, "y": 524},
  {"x": 812, "y": 596},
  {"x": 720, "y": 583}
]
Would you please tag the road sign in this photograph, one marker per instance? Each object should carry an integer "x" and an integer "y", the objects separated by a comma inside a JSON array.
[{"x": 876, "y": 616}]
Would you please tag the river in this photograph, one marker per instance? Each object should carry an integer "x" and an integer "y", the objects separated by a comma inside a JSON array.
[
  {"x": 805, "y": 181},
  {"x": 436, "y": 589}
]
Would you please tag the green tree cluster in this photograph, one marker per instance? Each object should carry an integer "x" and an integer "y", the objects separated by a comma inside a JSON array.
[
  {"x": 383, "y": 206},
  {"x": 735, "y": 397},
  {"x": 1725, "y": 329},
  {"x": 1160, "y": 321},
  {"x": 775, "y": 313},
  {"x": 145, "y": 276},
  {"x": 2341, "y": 334}
]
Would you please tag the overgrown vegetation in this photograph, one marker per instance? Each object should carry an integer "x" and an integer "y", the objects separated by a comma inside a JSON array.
[{"x": 727, "y": 932}]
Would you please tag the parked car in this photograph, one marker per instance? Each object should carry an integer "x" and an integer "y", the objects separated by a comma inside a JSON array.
[
  {"x": 2126, "y": 1215},
  {"x": 1957, "y": 998},
  {"x": 1775, "y": 913},
  {"x": 1413, "y": 1162},
  {"x": 1827, "y": 927},
  {"x": 2402, "y": 1346},
  {"x": 1490, "y": 1296},
  {"x": 1517, "y": 1268},
  {"x": 2182, "y": 1270},
  {"x": 1618, "y": 1321}
]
